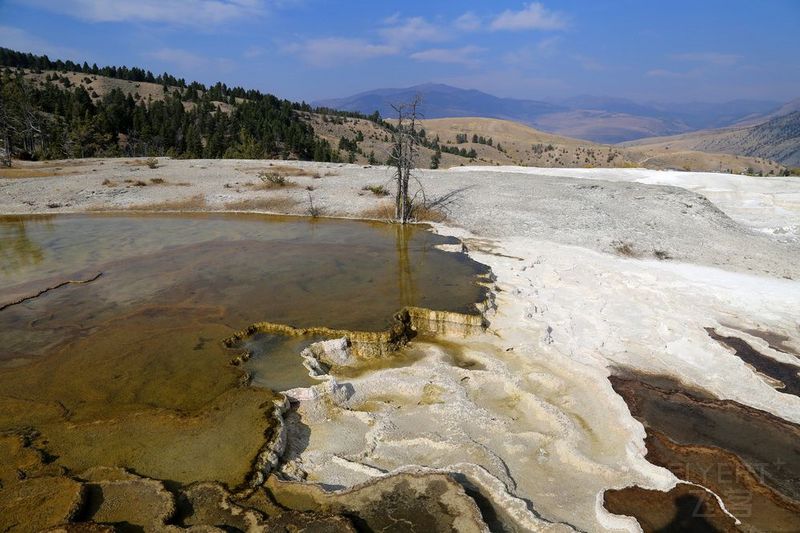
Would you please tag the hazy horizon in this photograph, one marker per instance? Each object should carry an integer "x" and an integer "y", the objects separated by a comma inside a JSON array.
[{"x": 310, "y": 50}]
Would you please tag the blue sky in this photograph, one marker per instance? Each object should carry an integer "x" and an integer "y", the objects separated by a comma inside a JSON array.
[{"x": 669, "y": 51}]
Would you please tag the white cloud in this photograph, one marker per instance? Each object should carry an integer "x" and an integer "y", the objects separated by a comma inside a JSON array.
[
  {"x": 181, "y": 12},
  {"x": 530, "y": 55},
  {"x": 411, "y": 31},
  {"x": 466, "y": 55},
  {"x": 533, "y": 16},
  {"x": 180, "y": 58},
  {"x": 332, "y": 51},
  {"x": 710, "y": 58},
  {"x": 469, "y": 21},
  {"x": 397, "y": 34},
  {"x": 547, "y": 47},
  {"x": 253, "y": 52},
  {"x": 669, "y": 74},
  {"x": 21, "y": 40},
  {"x": 188, "y": 61},
  {"x": 589, "y": 63}
]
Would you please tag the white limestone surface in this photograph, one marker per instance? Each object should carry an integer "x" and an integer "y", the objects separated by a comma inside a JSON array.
[
  {"x": 529, "y": 401},
  {"x": 770, "y": 204}
]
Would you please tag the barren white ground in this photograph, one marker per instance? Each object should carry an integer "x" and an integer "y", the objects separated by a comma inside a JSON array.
[{"x": 525, "y": 411}]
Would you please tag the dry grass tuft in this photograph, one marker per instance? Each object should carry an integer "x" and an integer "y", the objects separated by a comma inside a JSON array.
[
  {"x": 382, "y": 211},
  {"x": 136, "y": 162},
  {"x": 279, "y": 170},
  {"x": 271, "y": 186},
  {"x": 385, "y": 211},
  {"x": 377, "y": 190},
  {"x": 35, "y": 172},
  {"x": 158, "y": 181},
  {"x": 286, "y": 170},
  {"x": 429, "y": 214},
  {"x": 150, "y": 162},
  {"x": 194, "y": 203},
  {"x": 277, "y": 204}
]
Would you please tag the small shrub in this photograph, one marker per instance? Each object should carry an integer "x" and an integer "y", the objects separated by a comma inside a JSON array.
[
  {"x": 624, "y": 248},
  {"x": 377, "y": 190},
  {"x": 661, "y": 255},
  {"x": 151, "y": 162},
  {"x": 273, "y": 178},
  {"x": 108, "y": 183},
  {"x": 140, "y": 183},
  {"x": 314, "y": 211},
  {"x": 157, "y": 181}
]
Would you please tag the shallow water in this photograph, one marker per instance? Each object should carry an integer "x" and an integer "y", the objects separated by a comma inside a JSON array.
[
  {"x": 129, "y": 369},
  {"x": 274, "y": 361},
  {"x": 240, "y": 269}
]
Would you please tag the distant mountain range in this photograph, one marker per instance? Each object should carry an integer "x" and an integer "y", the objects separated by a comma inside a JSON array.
[
  {"x": 598, "y": 119},
  {"x": 444, "y": 101}
]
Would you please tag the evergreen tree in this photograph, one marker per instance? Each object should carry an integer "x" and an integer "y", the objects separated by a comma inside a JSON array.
[{"x": 436, "y": 159}]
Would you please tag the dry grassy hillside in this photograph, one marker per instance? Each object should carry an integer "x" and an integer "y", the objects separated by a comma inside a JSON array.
[
  {"x": 512, "y": 143},
  {"x": 671, "y": 156},
  {"x": 99, "y": 86},
  {"x": 377, "y": 140},
  {"x": 777, "y": 139},
  {"x": 522, "y": 145},
  {"x": 516, "y": 144}
]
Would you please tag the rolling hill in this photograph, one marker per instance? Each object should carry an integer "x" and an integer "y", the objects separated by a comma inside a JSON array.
[
  {"x": 84, "y": 113},
  {"x": 517, "y": 144},
  {"x": 598, "y": 119},
  {"x": 777, "y": 139}
]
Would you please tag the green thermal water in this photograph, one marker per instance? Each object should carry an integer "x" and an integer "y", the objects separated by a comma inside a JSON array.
[{"x": 212, "y": 273}]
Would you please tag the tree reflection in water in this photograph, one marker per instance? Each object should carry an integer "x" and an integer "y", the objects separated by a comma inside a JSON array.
[
  {"x": 405, "y": 277},
  {"x": 17, "y": 250}
]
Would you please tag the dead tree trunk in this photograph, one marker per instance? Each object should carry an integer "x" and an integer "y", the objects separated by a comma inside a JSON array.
[{"x": 404, "y": 153}]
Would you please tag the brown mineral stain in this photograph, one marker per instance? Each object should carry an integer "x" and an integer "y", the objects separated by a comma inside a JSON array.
[
  {"x": 750, "y": 458},
  {"x": 685, "y": 508},
  {"x": 787, "y": 375}
]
